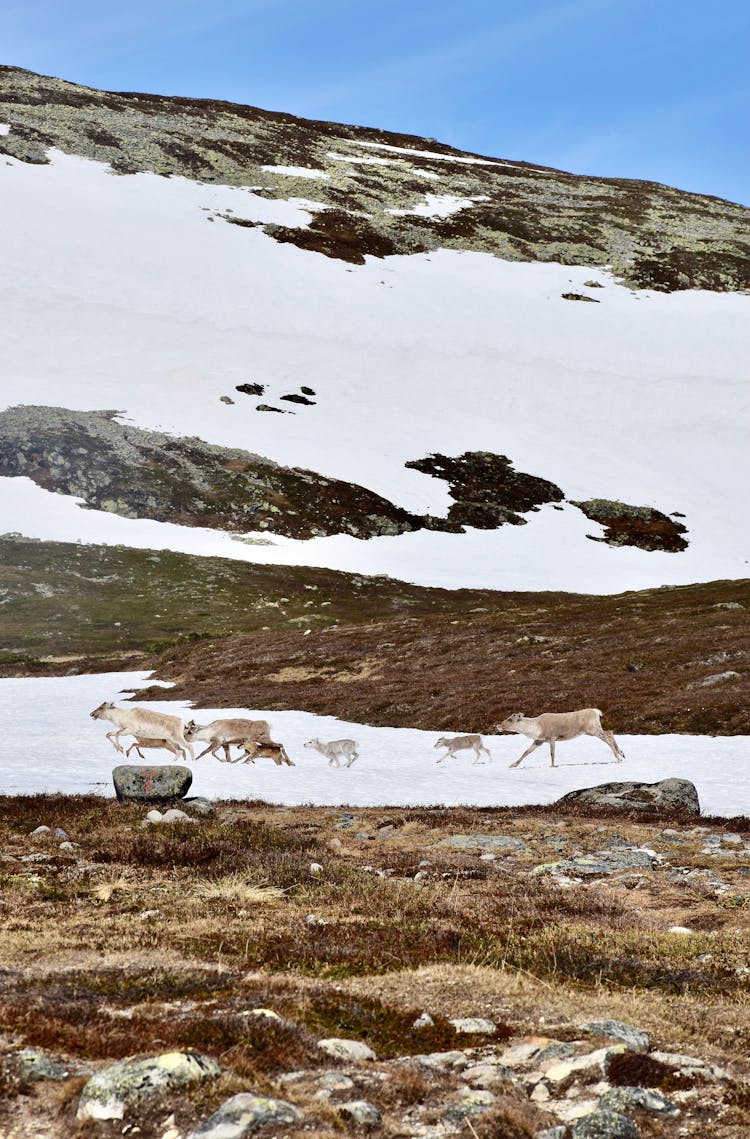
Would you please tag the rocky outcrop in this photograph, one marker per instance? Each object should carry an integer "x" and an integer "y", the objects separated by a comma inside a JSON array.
[
  {"x": 109, "y": 1093},
  {"x": 640, "y": 526},
  {"x": 653, "y": 236},
  {"x": 666, "y": 795}
]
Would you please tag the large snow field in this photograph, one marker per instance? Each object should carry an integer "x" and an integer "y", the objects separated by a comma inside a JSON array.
[
  {"x": 50, "y": 744},
  {"x": 117, "y": 292}
]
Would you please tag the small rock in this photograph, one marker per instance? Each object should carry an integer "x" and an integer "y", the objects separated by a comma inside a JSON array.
[
  {"x": 197, "y": 805},
  {"x": 361, "y": 1112},
  {"x": 473, "y": 1025},
  {"x": 441, "y": 1060},
  {"x": 60, "y": 833},
  {"x": 519, "y": 1054},
  {"x": 679, "y": 929},
  {"x": 242, "y": 1113},
  {"x": 484, "y": 842},
  {"x": 591, "y": 1065},
  {"x": 33, "y": 1065},
  {"x": 716, "y": 678},
  {"x": 604, "y": 1124},
  {"x": 551, "y": 1133},
  {"x": 69, "y": 846},
  {"x": 334, "y": 1082},
  {"x": 40, "y": 830},
  {"x": 226, "y": 399},
  {"x": 149, "y": 915},
  {"x": 488, "y": 1075},
  {"x": 423, "y": 1021},
  {"x": 644, "y": 1099},
  {"x": 107, "y": 1093},
  {"x": 316, "y": 868},
  {"x": 346, "y": 1049},
  {"x": 634, "y": 1039}
]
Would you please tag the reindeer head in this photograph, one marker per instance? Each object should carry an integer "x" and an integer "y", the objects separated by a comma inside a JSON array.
[
  {"x": 312, "y": 743},
  {"x": 190, "y": 729},
  {"x": 442, "y": 742},
  {"x": 100, "y": 713},
  {"x": 511, "y": 723}
]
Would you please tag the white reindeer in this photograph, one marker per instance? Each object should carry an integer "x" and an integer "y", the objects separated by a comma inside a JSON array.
[
  {"x": 463, "y": 743},
  {"x": 143, "y": 724},
  {"x": 553, "y": 726},
  {"x": 223, "y": 733},
  {"x": 335, "y": 751}
]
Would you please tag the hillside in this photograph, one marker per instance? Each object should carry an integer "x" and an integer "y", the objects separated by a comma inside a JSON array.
[{"x": 374, "y": 199}]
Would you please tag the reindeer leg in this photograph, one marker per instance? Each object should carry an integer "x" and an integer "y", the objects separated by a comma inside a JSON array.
[
  {"x": 611, "y": 743},
  {"x": 536, "y": 743},
  {"x": 113, "y": 738},
  {"x": 552, "y": 752},
  {"x": 489, "y": 753}
]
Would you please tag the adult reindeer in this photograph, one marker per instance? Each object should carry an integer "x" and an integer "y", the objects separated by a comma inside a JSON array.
[{"x": 553, "y": 726}]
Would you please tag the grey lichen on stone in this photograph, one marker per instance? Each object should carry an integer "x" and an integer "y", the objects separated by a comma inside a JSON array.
[
  {"x": 244, "y": 1112},
  {"x": 107, "y": 1094}
]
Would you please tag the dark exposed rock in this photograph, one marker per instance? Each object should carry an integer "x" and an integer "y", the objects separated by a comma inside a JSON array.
[
  {"x": 653, "y": 236},
  {"x": 487, "y": 490},
  {"x": 146, "y": 474},
  {"x": 134, "y": 784},
  {"x": 666, "y": 795},
  {"x": 640, "y": 526},
  {"x": 250, "y": 389},
  {"x": 579, "y": 297},
  {"x": 294, "y": 398}
]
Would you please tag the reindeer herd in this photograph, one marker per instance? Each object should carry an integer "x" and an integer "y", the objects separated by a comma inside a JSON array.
[{"x": 252, "y": 738}]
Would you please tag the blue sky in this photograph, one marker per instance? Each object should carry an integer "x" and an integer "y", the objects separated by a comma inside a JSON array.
[{"x": 656, "y": 89}]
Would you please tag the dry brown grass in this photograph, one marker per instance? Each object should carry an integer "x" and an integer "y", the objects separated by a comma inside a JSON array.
[
  {"x": 142, "y": 941},
  {"x": 640, "y": 657}
]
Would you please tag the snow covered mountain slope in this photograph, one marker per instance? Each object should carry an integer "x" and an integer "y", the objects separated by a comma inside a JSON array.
[{"x": 158, "y": 297}]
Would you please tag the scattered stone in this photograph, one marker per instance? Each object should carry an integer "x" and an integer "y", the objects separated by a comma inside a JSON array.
[
  {"x": 483, "y": 842},
  {"x": 40, "y": 830},
  {"x": 440, "y": 1060},
  {"x": 634, "y": 1039},
  {"x": 590, "y": 1066},
  {"x": 691, "y": 1066},
  {"x": 334, "y": 1082},
  {"x": 667, "y": 794},
  {"x": 424, "y": 1020},
  {"x": 33, "y": 1065},
  {"x": 250, "y": 389},
  {"x": 601, "y": 864},
  {"x": 361, "y": 1112},
  {"x": 226, "y": 399},
  {"x": 488, "y": 1074},
  {"x": 107, "y": 1093},
  {"x": 475, "y": 1025},
  {"x": 679, "y": 929},
  {"x": 69, "y": 846},
  {"x": 60, "y": 833},
  {"x": 593, "y": 285},
  {"x": 642, "y": 1099},
  {"x": 520, "y": 1054},
  {"x": 242, "y": 1113},
  {"x": 346, "y": 1049},
  {"x": 135, "y": 784},
  {"x": 604, "y": 1124},
  {"x": 551, "y": 1133},
  {"x": 267, "y": 407},
  {"x": 728, "y": 605},
  {"x": 199, "y": 806},
  {"x": 579, "y": 297},
  {"x": 716, "y": 678},
  {"x": 155, "y": 817}
]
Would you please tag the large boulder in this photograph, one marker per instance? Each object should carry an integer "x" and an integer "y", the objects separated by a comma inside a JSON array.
[
  {"x": 136, "y": 784},
  {"x": 667, "y": 795}
]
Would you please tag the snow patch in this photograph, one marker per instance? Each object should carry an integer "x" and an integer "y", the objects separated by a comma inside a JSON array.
[
  {"x": 435, "y": 154},
  {"x": 358, "y": 159},
  {"x": 396, "y": 765},
  {"x": 297, "y": 171},
  {"x": 438, "y": 206},
  {"x": 4, "y": 128}
]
